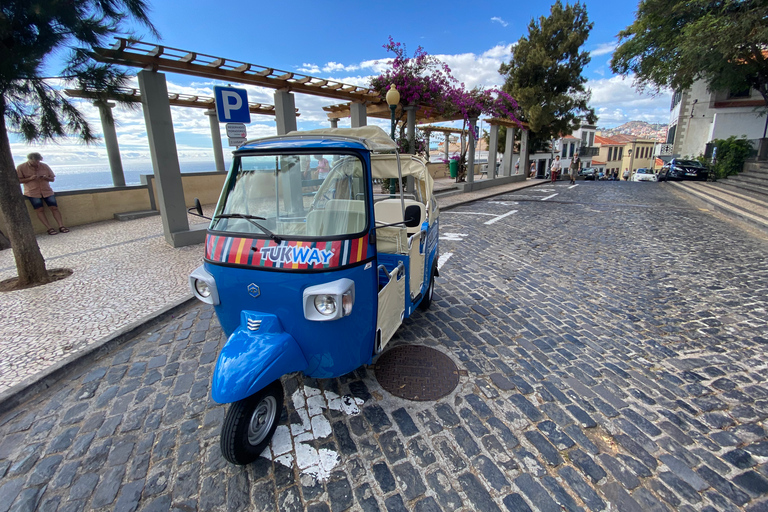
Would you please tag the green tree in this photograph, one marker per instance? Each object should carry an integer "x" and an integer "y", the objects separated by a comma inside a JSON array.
[
  {"x": 544, "y": 75},
  {"x": 674, "y": 43},
  {"x": 31, "y": 32}
]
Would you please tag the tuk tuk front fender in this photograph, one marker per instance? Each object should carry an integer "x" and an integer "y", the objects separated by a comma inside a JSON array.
[{"x": 258, "y": 353}]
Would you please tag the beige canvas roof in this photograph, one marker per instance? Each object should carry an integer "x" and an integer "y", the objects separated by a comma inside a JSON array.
[{"x": 373, "y": 137}]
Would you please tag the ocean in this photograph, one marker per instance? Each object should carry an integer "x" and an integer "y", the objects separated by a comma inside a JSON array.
[{"x": 85, "y": 176}]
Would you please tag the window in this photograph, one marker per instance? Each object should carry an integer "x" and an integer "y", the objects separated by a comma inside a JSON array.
[
  {"x": 671, "y": 134},
  {"x": 591, "y": 139},
  {"x": 302, "y": 194},
  {"x": 565, "y": 150},
  {"x": 739, "y": 94},
  {"x": 573, "y": 145},
  {"x": 621, "y": 153},
  {"x": 610, "y": 154},
  {"x": 676, "y": 98}
]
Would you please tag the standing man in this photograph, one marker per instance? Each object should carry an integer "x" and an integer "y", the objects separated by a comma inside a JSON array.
[
  {"x": 533, "y": 170},
  {"x": 574, "y": 168},
  {"x": 626, "y": 174},
  {"x": 555, "y": 169},
  {"x": 37, "y": 178}
]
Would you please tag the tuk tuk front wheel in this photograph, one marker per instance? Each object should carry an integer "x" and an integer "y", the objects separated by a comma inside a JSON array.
[{"x": 250, "y": 423}]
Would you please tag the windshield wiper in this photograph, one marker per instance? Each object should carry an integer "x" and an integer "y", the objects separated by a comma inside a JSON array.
[{"x": 252, "y": 219}]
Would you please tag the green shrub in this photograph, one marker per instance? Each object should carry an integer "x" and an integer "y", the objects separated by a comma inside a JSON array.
[{"x": 730, "y": 156}]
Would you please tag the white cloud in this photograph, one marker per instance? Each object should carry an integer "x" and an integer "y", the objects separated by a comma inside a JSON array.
[
  {"x": 500, "y": 21},
  {"x": 616, "y": 101},
  {"x": 603, "y": 49}
]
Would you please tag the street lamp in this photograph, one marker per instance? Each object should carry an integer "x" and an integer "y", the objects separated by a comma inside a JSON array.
[{"x": 393, "y": 98}]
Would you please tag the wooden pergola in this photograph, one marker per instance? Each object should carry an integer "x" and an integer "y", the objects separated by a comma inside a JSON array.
[
  {"x": 380, "y": 110},
  {"x": 129, "y": 52},
  {"x": 175, "y": 99}
]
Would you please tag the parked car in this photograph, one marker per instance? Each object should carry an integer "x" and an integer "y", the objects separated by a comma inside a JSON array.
[
  {"x": 644, "y": 174},
  {"x": 588, "y": 173},
  {"x": 678, "y": 169}
]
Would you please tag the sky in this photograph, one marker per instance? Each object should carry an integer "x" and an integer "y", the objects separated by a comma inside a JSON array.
[{"x": 343, "y": 41}]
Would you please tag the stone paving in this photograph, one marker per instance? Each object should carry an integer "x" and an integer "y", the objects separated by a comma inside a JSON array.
[
  {"x": 122, "y": 272},
  {"x": 612, "y": 347}
]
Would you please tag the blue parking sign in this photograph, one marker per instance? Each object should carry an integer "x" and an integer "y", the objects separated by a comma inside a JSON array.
[{"x": 232, "y": 104}]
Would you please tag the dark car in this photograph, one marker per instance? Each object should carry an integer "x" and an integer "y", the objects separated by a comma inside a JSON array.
[
  {"x": 588, "y": 173},
  {"x": 678, "y": 169}
]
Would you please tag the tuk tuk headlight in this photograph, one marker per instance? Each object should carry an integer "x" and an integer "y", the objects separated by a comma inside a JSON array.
[
  {"x": 325, "y": 304},
  {"x": 329, "y": 301},
  {"x": 203, "y": 286}
]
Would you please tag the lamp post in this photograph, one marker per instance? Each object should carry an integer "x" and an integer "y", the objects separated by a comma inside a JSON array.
[{"x": 393, "y": 98}]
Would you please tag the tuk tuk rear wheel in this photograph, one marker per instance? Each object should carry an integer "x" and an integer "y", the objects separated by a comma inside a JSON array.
[
  {"x": 427, "y": 300},
  {"x": 250, "y": 423}
]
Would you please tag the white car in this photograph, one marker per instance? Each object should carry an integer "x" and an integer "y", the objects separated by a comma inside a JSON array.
[{"x": 643, "y": 174}]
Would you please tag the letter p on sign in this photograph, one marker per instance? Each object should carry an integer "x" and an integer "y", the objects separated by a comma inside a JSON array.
[{"x": 232, "y": 105}]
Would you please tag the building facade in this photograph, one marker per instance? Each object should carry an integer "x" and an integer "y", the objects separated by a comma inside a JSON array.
[
  {"x": 699, "y": 116},
  {"x": 610, "y": 155}
]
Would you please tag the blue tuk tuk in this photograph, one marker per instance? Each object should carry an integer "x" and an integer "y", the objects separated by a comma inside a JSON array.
[{"x": 311, "y": 265}]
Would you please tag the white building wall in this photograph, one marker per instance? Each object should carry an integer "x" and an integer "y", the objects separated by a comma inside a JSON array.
[
  {"x": 699, "y": 122},
  {"x": 739, "y": 123}
]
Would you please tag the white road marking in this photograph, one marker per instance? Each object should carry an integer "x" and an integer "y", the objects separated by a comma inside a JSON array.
[
  {"x": 500, "y": 217},
  {"x": 576, "y": 185},
  {"x": 442, "y": 259},
  {"x": 454, "y": 237},
  {"x": 289, "y": 443},
  {"x": 549, "y": 197},
  {"x": 505, "y": 203},
  {"x": 542, "y": 190},
  {"x": 471, "y": 213}
]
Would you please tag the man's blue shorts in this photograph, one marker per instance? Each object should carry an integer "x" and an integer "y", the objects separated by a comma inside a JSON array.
[{"x": 37, "y": 202}]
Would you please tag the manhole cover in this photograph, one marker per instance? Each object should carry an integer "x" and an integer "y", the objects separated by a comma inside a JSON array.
[{"x": 415, "y": 372}]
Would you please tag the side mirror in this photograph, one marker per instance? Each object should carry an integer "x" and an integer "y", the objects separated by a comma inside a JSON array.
[
  {"x": 412, "y": 216},
  {"x": 198, "y": 210}
]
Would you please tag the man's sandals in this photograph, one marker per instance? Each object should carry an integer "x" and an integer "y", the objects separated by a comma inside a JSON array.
[{"x": 64, "y": 229}]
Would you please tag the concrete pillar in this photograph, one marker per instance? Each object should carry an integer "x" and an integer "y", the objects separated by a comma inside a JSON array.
[
  {"x": 471, "y": 150},
  {"x": 410, "y": 125},
  {"x": 492, "y": 145},
  {"x": 509, "y": 148},
  {"x": 285, "y": 112},
  {"x": 218, "y": 151},
  {"x": 524, "y": 156},
  {"x": 426, "y": 136},
  {"x": 411, "y": 128},
  {"x": 334, "y": 122},
  {"x": 359, "y": 115},
  {"x": 110, "y": 140},
  {"x": 165, "y": 159},
  {"x": 447, "y": 144}
]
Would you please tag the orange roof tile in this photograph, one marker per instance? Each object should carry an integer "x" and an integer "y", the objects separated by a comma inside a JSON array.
[{"x": 607, "y": 141}]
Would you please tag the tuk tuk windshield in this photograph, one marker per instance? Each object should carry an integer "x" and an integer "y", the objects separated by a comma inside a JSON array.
[{"x": 294, "y": 195}]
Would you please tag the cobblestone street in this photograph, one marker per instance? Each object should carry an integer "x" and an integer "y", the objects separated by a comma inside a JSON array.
[{"x": 612, "y": 347}]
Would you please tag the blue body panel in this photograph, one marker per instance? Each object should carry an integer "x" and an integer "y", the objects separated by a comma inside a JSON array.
[
  {"x": 330, "y": 348},
  {"x": 251, "y": 360}
]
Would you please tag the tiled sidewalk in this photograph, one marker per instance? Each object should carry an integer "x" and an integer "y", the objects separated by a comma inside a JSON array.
[{"x": 123, "y": 272}]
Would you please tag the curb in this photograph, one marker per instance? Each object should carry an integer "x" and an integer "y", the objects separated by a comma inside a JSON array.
[{"x": 23, "y": 391}]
